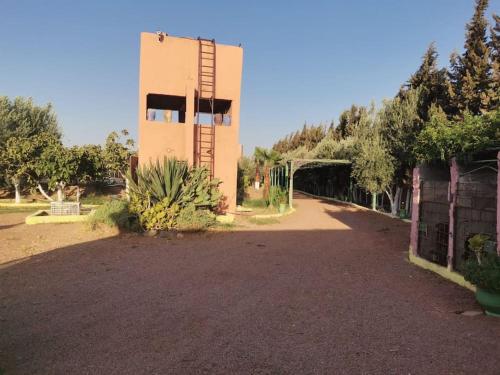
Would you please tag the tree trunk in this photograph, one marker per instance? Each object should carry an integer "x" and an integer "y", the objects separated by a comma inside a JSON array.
[
  {"x": 60, "y": 191},
  {"x": 18, "y": 193},
  {"x": 391, "y": 199},
  {"x": 374, "y": 201},
  {"x": 266, "y": 183},
  {"x": 257, "y": 178},
  {"x": 408, "y": 201},
  {"x": 397, "y": 202},
  {"x": 40, "y": 188},
  {"x": 127, "y": 189}
]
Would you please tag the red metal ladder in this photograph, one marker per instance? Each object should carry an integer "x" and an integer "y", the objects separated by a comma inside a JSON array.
[{"x": 204, "y": 150}]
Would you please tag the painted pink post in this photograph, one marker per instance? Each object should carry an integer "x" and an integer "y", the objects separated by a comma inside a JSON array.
[
  {"x": 452, "y": 200},
  {"x": 498, "y": 203},
  {"x": 415, "y": 212}
]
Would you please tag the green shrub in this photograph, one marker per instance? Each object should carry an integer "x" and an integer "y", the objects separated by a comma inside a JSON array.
[
  {"x": 255, "y": 203},
  {"x": 163, "y": 191},
  {"x": 277, "y": 195},
  {"x": 485, "y": 275},
  {"x": 114, "y": 213},
  {"x": 192, "y": 219}
]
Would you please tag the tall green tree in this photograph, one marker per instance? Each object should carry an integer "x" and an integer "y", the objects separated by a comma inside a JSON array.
[
  {"x": 473, "y": 81},
  {"x": 495, "y": 61},
  {"x": 267, "y": 158},
  {"x": 22, "y": 119},
  {"x": 117, "y": 152},
  {"x": 373, "y": 166},
  {"x": 349, "y": 120},
  {"x": 400, "y": 123},
  {"x": 431, "y": 82}
]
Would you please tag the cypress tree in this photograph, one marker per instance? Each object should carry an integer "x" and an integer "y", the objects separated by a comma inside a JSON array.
[
  {"x": 474, "y": 81},
  {"x": 495, "y": 61},
  {"x": 431, "y": 82}
]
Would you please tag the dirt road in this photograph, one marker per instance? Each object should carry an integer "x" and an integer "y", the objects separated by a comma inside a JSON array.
[{"x": 327, "y": 290}]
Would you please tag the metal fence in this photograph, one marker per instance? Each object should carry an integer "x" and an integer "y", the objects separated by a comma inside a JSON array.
[{"x": 434, "y": 221}]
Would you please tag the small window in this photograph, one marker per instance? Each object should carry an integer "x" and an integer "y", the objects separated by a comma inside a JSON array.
[
  {"x": 221, "y": 112},
  {"x": 166, "y": 108}
]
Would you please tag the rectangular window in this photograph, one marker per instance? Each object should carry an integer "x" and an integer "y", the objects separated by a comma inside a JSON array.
[
  {"x": 166, "y": 108},
  {"x": 221, "y": 112}
]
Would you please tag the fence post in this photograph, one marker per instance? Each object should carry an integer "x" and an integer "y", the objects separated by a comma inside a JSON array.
[
  {"x": 452, "y": 200},
  {"x": 498, "y": 203},
  {"x": 290, "y": 191},
  {"x": 415, "y": 212}
]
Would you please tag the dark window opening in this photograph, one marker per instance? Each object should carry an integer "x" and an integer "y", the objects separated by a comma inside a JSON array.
[
  {"x": 166, "y": 108},
  {"x": 221, "y": 112}
]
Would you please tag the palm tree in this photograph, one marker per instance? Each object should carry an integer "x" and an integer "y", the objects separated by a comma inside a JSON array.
[{"x": 267, "y": 159}]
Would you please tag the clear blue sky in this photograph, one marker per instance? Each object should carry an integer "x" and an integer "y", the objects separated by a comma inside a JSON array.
[{"x": 303, "y": 61}]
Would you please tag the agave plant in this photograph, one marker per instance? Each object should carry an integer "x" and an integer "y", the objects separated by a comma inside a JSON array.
[
  {"x": 163, "y": 190},
  {"x": 159, "y": 181}
]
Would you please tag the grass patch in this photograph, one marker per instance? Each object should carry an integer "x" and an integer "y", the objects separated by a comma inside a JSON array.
[
  {"x": 255, "y": 203},
  {"x": 114, "y": 214},
  {"x": 11, "y": 210},
  {"x": 263, "y": 221},
  {"x": 96, "y": 199}
]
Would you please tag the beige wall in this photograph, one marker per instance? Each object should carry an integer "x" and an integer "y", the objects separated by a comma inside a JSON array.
[{"x": 171, "y": 68}]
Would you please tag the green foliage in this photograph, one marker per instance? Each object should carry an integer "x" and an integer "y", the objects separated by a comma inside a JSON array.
[
  {"x": 90, "y": 163},
  {"x": 300, "y": 152},
  {"x": 246, "y": 170},
  {"x": 472, "y": 86},
  {"x": 330, "y": 148},
  {"x": 159, "y": 216},
  {"x": 485, "y": 275},
  {"x": 255, "y": 203},
  {"x": 57, "y": 165},
  {"x": 21, "y": 118},
  {"x": 373, "y": 166},
  {"x": 442, "y": 139},
  {"x": 277, "y": 195},
  {"x": 400, "y": 124},
  {"x": 163, "y": 191},
  {"x": 267, "y": 159},
  {"x": 431, "y": 84},
  {"x": 308, "y": 138},
  {"x": 21, "y": 122},
  {"x": 192, "y": 219},
  {"x": 349, "y": 120},
  {"x": 158, "y": 181},
  {"x": 200, "y": 190},
  {"x": 117, "y": 154},
  {"x": 476, "y": 244},
  {"x": 114, "y": 213}
]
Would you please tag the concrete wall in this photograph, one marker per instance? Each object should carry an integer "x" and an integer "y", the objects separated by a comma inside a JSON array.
[{"x": 170, "y": 67}]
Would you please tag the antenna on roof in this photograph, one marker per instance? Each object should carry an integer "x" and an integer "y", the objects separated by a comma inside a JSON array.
[{"x": 161, "y": 35}]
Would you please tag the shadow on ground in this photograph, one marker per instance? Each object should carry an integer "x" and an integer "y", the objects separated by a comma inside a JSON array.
[{"x": 252, "y": 301}]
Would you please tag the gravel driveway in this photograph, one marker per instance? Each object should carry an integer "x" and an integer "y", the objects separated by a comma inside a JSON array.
[{"x": 328, "y": 290}]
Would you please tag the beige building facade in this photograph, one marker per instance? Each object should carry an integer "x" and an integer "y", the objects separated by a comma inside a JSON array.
[{"x": 189, "y": 105}]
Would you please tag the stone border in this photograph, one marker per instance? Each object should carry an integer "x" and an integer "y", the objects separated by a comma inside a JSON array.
[
  {"x": 270, "y": 216},
  {"x": 225, "y": 219},
  {"x": 354, "y": 205},
  {"x": 35, "y": 218},
  {"x": 38, "y": 205},
  {"x": 440, "y": 270}
]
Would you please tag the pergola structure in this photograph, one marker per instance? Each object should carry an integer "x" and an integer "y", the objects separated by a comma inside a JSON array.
[{"x": 282, "y": 175}]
